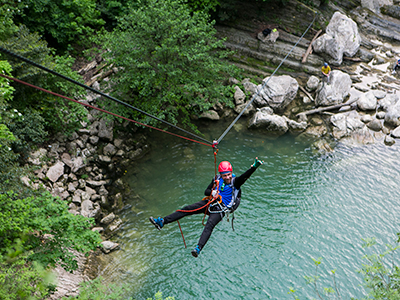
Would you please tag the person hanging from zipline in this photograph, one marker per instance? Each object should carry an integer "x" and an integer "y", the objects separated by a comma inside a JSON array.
[{"x": 223, "y": 196}]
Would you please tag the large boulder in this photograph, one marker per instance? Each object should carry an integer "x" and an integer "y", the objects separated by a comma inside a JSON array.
[
  {"x": 392, "y": 116},
  {"x": 249, "y": 110},
  {"x": 249, "y": 87},
  {"x": 375, "y": 5},
  {"x": 388, "y": 101},
  {"x": 239, "y": 96},
  {"x": 106, "y": 128},
  {"x": 367, "y": 101},
  {"x": 265, "y": 120},
  {"x": 210, "y": 115},
  {"x": 90, "y": 209},
  {"x": 349, "y": 128},
  {"x": 345, "y": 123},
  {"x": 276, "y": 92},
  {"x": 335, "y": 92},
  {"x": 341, "y": 38},
  {"x": 55, "y": 171},
  {"x": 296, "y": 127},
  {"x": 312, "y": 83}
]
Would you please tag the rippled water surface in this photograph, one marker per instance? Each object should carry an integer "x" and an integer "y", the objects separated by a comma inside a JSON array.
[{"x": 295, "y": 207}]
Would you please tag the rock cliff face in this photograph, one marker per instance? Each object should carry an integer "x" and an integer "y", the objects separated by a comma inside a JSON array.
[
  {"x": 377, "y": 20},
  {"x": 360, "y": 40}
]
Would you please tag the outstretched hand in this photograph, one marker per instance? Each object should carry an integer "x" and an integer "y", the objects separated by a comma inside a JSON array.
[{"x": 257, "y": 163}]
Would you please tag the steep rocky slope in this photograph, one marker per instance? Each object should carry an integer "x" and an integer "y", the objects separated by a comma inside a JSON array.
[{"x": 260, "y": 59}]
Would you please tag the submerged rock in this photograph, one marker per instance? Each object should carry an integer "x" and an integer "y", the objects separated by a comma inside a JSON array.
[
  {"x": 210, "y": 115},
  {"x": 108, "y": 246}
]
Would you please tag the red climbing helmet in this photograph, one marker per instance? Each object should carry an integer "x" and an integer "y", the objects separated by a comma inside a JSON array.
[{"x": 225, "y": 167}]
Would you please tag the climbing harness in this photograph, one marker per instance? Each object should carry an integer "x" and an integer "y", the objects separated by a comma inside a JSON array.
[{"x": 226, "y": 210}]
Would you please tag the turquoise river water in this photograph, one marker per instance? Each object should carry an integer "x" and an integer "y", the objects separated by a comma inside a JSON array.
[{"x": 297, "y": 206}]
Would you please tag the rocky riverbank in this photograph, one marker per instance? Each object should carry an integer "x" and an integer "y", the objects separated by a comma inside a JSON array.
[
  {"x": 84, "y": 170},
  {"x": 360, "y": 42}
]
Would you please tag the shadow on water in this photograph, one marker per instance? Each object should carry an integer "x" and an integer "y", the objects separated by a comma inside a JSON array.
[{"x": 295, "y": 207}]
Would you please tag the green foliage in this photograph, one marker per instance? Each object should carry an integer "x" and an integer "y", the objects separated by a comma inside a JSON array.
[
  {"x": 8, "y": 159},
  {"x": 203, "y": 5},
  {"x": 9, "y": 168},
  {"x": 57, "y": 114},
  {"x": 8, "y": 10},
  {"x": 30, "y": 46},
  {"x": 5, "y": 134},
  {"x": 60, "y": 115},
  {"x": 43, "y": 224},
  {"x": 170, "y": 61},
  {"x": 20, "y": 279},
  {"x": 61, "y": 22},
  {"x": 29, "y": 128},
  {"x": 381, "y": 274},
  {"x": 111, "y": 10},
  {"x": 6, "y": 92},
  {"x": 96, "y": 290}
]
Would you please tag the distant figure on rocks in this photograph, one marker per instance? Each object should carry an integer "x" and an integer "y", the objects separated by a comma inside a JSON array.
[
  {"x": 396, "y": 67},
  {"x": 268, "y": 35},
  {"x": 326, "y": 72},
  {"x": 266, "y": 31}
]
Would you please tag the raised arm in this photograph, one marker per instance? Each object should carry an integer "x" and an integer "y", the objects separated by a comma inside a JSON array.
[{"x": 246, "y": 175}]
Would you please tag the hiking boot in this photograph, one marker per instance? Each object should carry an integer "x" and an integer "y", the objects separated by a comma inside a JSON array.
[
  {"x": 158, "y": 223},
  {"x": 196, "y": 251}
]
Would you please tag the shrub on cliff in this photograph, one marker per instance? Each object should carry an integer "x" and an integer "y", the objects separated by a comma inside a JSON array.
[
  {"x": 56, "y": 114},
  {"x": 36, "y": 233},
  {"x": 61, "y": 22},
  {"x": 170, "y": 62},
  {"x": 22, "y": 279},
  {"x": 43, "y": 225}
]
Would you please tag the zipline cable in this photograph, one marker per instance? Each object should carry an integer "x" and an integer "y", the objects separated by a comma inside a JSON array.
[
  {"x": 258, "y": 91},
  {"x": 99, "y": 109},
  {"x": 98, "y": 92}
]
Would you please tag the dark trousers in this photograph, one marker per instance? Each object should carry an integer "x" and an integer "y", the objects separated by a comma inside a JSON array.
[
  {"x": 213, "y": 218},
  {"x": 325, "y": 79}
]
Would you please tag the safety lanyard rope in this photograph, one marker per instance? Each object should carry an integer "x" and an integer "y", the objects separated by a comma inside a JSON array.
[
  {"x": 265, "y": 83},
  {"x": 99, "y": 109},
  {"x": 97, "y": 92}
]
